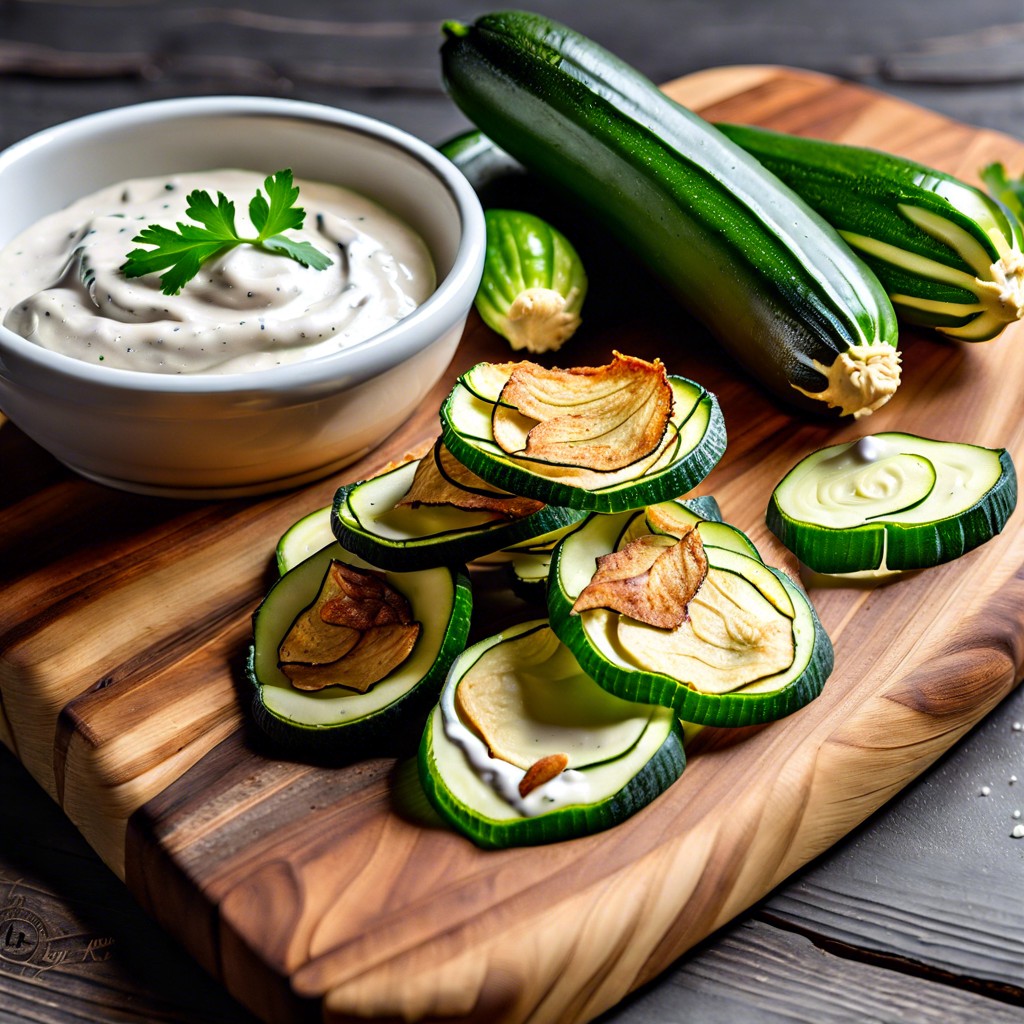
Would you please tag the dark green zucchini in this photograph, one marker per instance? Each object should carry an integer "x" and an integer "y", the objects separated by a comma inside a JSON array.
[
  {"x": 948, "y": 255},
  {"x": 366, "y": 520},
  {"x": 774, "y": 282}
]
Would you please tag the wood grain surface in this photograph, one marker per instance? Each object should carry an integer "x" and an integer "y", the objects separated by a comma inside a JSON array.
[{"x": 312, "y": 891}]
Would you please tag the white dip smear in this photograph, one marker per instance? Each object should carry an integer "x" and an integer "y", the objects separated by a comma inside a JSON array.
[{"x": 61, "y": 286}]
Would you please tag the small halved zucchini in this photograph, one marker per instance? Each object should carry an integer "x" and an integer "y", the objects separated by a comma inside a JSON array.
[
  {"x": 524, "y": 748},
  {"x": 376, "y": 519},
  {"x": 750, "y": 648},
  {"x": 292, "y": 638},
  {"x": 605, "y": 438},
  {"x": 533, "y": 284},
  {"x": 892, "y": 501}
]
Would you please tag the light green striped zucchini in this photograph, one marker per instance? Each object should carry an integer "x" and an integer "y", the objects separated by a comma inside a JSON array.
[{"x": 948, "y": 255}]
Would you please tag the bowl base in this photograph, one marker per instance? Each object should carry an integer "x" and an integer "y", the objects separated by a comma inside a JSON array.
[{"x": 210, "y": 492}]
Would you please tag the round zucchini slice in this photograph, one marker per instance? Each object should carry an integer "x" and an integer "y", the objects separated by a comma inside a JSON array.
[
  {"x": 337, "y": 721},
  {"x": 369, "y": 521},
  {"x": 750, "y": 650},
  {"x": 568, "y": 758},
  {"x": 497, "y": 440},
  {"x": 891, "y": 502},
  {"x": 306, "y": 537}
]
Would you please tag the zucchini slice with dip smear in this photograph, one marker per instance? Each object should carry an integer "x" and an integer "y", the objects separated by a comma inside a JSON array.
[
  {"x": 745, "y": 646},
  {"x": 893, "y": 501},
  {"x": 524, "y": 748},
  {"x": 433, "y": 511},
  {"x": 312, "y": 665},
  {"x": 603, "y": 438}
]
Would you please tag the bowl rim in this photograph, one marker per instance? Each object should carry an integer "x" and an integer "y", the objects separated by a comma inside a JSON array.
[{"x": 344, "y": 368}]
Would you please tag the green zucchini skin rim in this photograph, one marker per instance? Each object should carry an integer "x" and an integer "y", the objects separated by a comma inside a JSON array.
[
  {"x": 379, "y": 731},
  {"x": 575, "y": 114},
  {"x": 682, "y": 475},
  {"x": 285, "y": 557},
  {"x": 728, "y": 710},
  {"x": 663, "y": 768},
  {"x": 860, "y": 192},
  {"x": 428, "y": 552},
  {"x": 905, "y": 546}
]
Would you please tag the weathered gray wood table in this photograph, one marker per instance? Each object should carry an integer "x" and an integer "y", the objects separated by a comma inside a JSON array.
[{"x": 917, "y": 916}]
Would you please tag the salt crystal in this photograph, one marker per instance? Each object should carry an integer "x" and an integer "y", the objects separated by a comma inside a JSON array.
[
  {"x": 985, "y": 790},
  {"x": 1018, "y": 832}
]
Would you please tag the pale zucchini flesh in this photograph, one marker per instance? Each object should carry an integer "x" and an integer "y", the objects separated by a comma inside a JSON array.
[
  {"x": 612, "y": 781},
  {"x": 303, "y": 538},
  {"x": 884, "y": 521}
]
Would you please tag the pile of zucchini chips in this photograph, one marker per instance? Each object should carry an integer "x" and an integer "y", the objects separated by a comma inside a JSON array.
[{"x": 658, "y": 612}]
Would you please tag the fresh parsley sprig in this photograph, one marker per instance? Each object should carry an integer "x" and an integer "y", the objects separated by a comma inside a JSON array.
[{"x": 181, "y": 253}]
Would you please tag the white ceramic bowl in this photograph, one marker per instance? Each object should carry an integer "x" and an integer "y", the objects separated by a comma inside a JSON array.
[{"x": 243, "y": 433}]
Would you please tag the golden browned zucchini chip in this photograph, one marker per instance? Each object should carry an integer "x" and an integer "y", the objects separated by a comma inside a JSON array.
[
  {"x": 357, "y": 631},
  {"x": 441, "y": 480},
  {"x": 602, "y": 418},
  {"x": 652, "y": 579},
  {"x": 733, "y": 636}
]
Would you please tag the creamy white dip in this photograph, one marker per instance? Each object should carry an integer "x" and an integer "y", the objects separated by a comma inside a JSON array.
[{"x": 61, "y": 286}]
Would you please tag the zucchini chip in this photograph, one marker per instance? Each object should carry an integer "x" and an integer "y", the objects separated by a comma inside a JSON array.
[
  {"x": 607, "y": 438},
  {"x": 524, "y": 748},
  {"x": 748, "y": 650},
  {"x": 892, "y": 501},
  {"x": 344, "y": 655},
  {"x": 434, "y": 511}
]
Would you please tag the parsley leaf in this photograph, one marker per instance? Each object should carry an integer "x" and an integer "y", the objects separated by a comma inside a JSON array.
[{"x": 181, "y": 253}]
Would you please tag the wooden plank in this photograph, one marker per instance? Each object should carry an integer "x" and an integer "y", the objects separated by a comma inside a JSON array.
[
  {"x": 74, "y": 946},
  {"x": 756, "y": 972},
  {"x": 308, "y": 887},
  {"x": 120, "y": 968},
  {"x": 937, "y": 878}
]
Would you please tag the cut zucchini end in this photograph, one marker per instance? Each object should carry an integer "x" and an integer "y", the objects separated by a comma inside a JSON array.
[
  {"x": 860, "y": 381},
  {"x": 339, "y": 724},
  {"x": 540, "y": 320}
]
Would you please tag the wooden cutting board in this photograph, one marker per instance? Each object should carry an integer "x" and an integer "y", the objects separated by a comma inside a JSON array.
[{"x": 334, "y": 893}]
